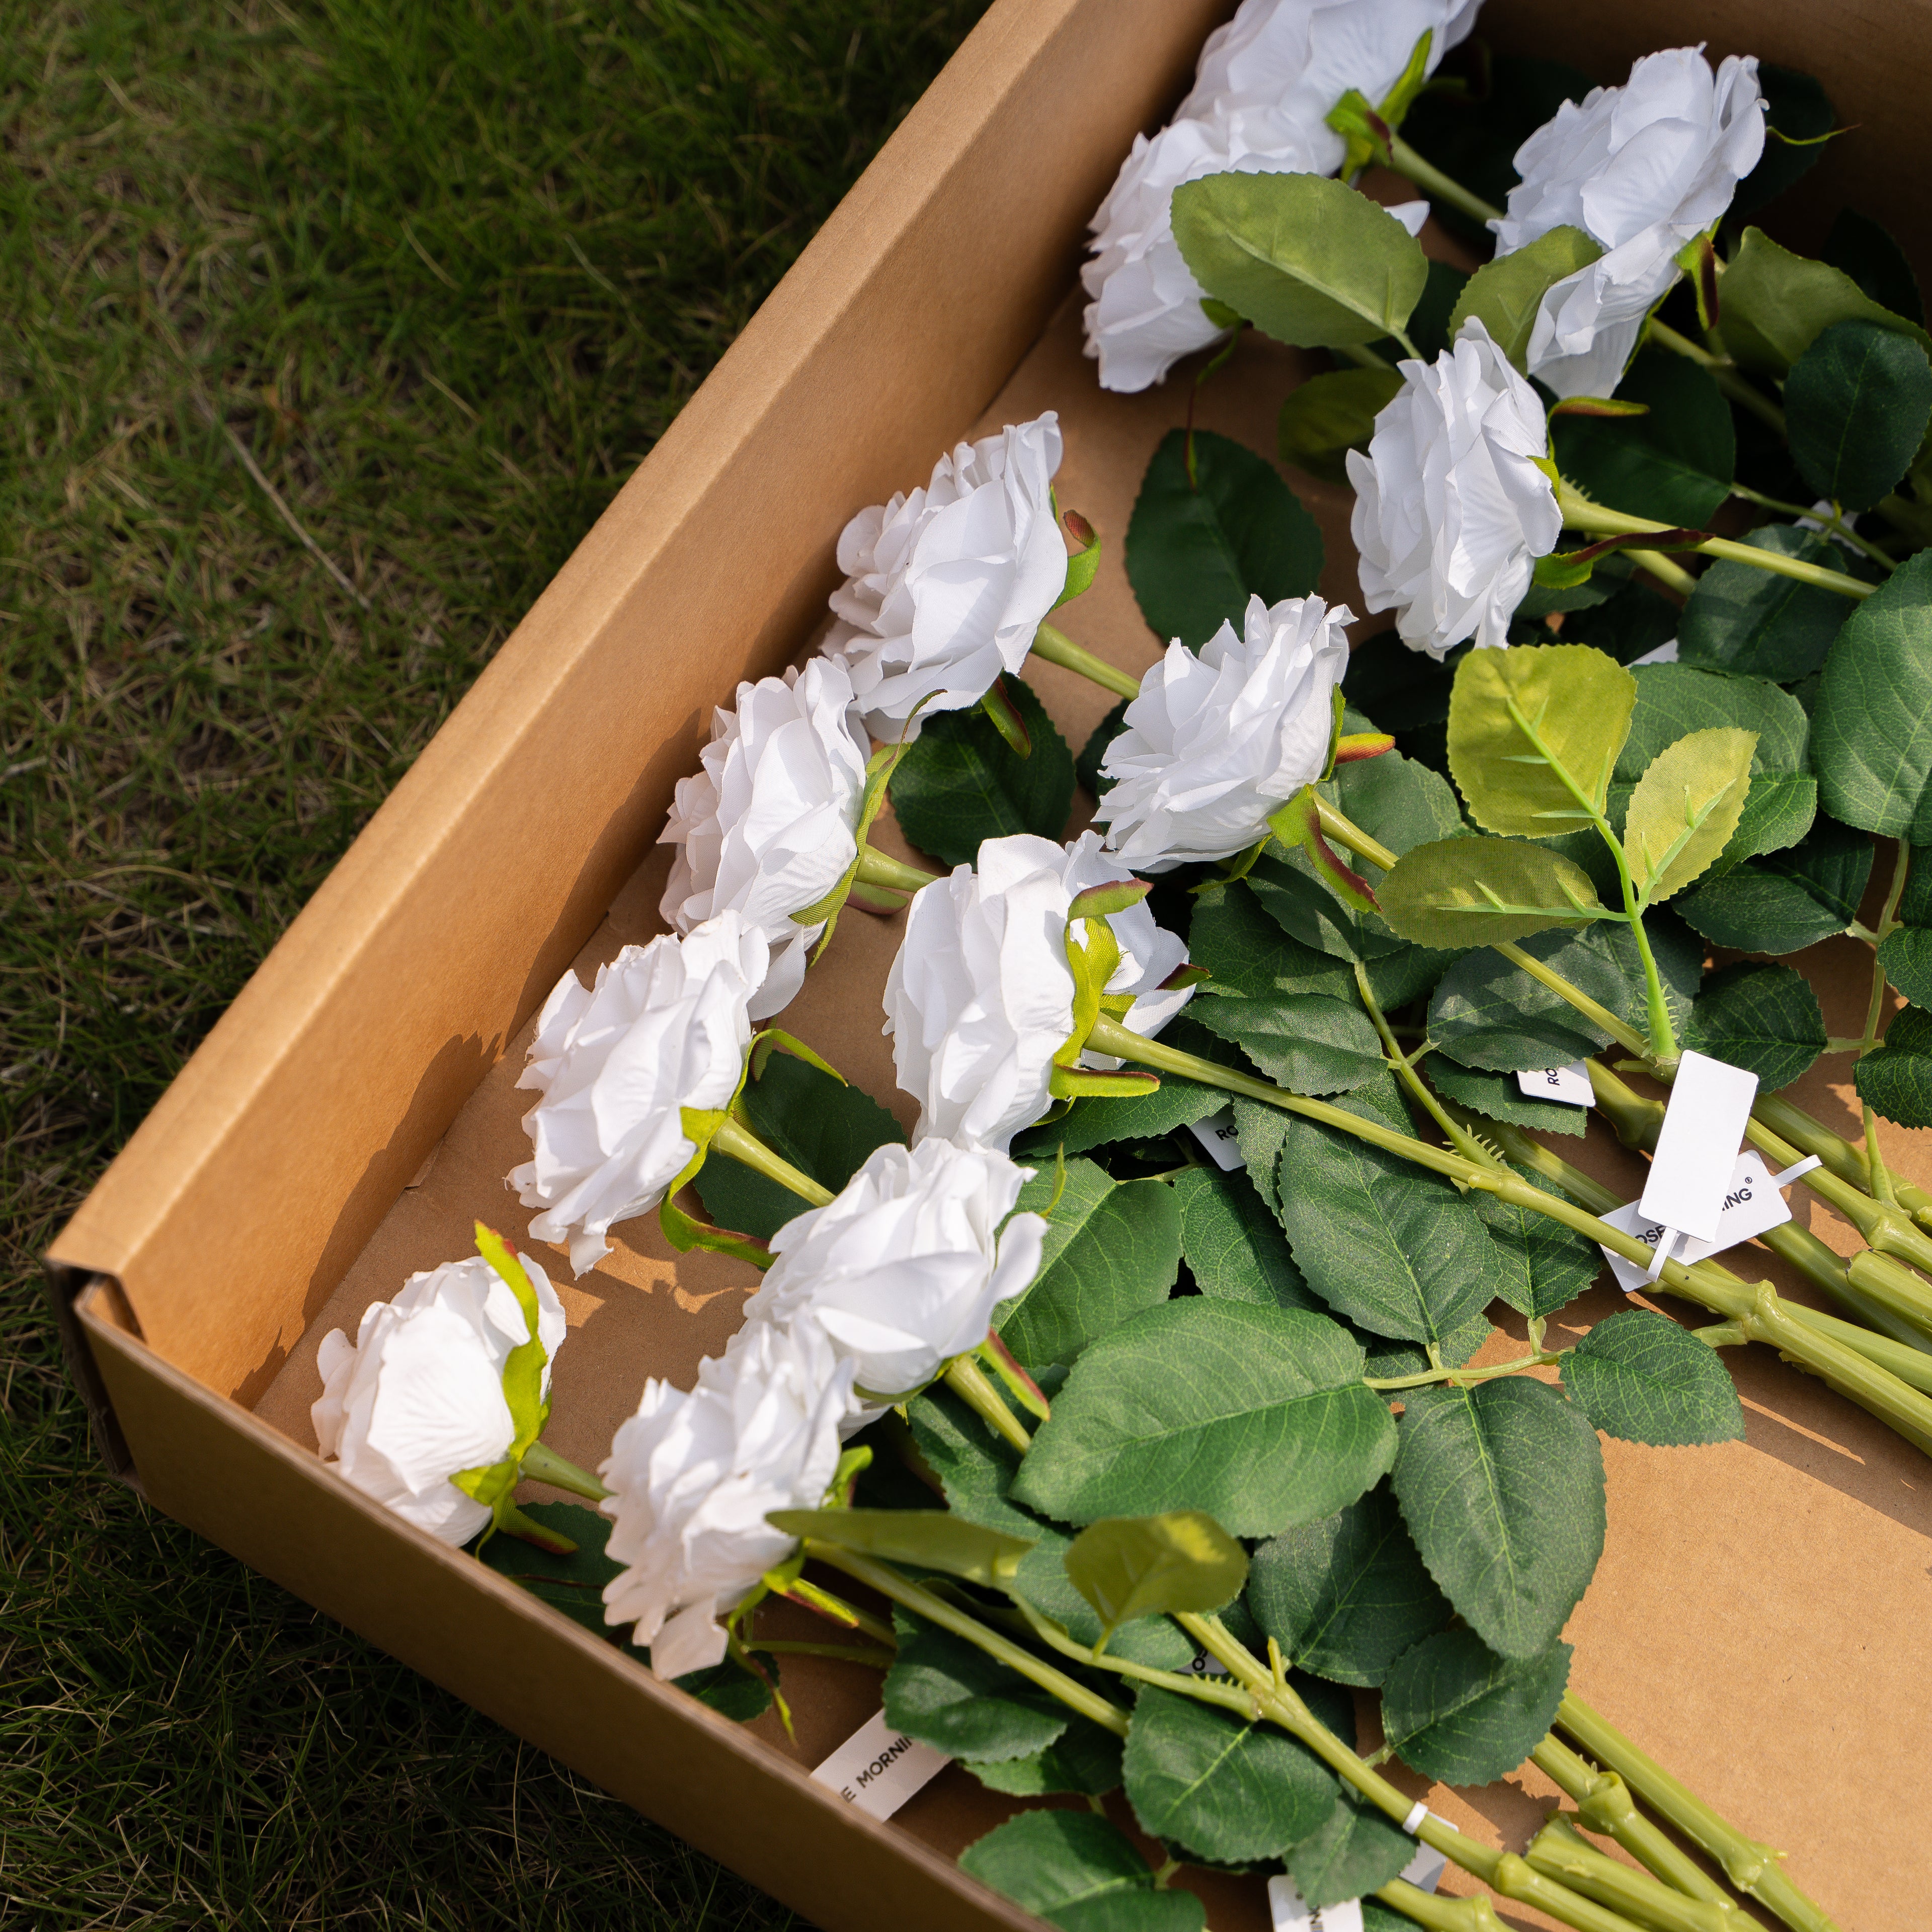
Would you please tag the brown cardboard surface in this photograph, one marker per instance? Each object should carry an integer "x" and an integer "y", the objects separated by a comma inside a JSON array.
[{"x": 1754, "y": 1619}]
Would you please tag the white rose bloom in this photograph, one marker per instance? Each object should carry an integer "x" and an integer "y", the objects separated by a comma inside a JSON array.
[
  {"x": 903, "y": 1270},
  {"x": 1145, "y": 312},
  {"x": 1641, "y": 169},
  {"x": 981, "y": 996},
  {"x": 665, "y": 1027},
  {"x": 1451, "y": 511},
  {"x": 945, "y": 588},
  {"x": 1218, "y": 739},
  {"x": 692, "y": 1477},
  {"x": 765, "y": 828},
  {"x": 418, "y": 1396},
  {"x": 1299, "y": 57}
]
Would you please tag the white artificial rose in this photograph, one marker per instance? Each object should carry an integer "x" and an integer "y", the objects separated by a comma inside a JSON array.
[
  {"x": 693, "y": 1475},
  {"x": 1299, "y": 57},
  {"x": 1220, "y": 738},
  {"x": 945, "y": 588},
  {"x": 981, "y": 996},
  {"x": 902, "y": 1269},
  {"x": 665, "y": 1027},
  {"x": 1145, "y": 312},
  {"x": 418, "y": 1396},
  {"x": 1641, "y": 169},
  {"x": 1451, "y": 511},
  {"x": 766, "y": 827}
]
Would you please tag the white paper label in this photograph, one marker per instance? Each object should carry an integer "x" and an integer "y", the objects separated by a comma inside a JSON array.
[
  {"x": 1425, "y": 1868},
  {"x": 1204, "y": 1666},
  {"x": 1291, "y": 1912},
  {"x": 1752, "y": 1204},
  {"x": 878, "y": 1768},
  {"x": 1697, "y": 1146},
  {"x": 1216, "y": 1134},
  {"x": 1664, "y": 654},
  {"x": 1570, "y": 1084}
]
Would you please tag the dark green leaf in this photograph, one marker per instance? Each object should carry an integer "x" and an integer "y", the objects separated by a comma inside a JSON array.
[
  {"x": 1498, "y": 1097},
  {"x": 1383, "y": 1357},
  {"x": 1856, "y": 403},
  {"x": 1346, "y": 1596},
  {"x": 823, "y": 1127},
  {"x": 1403, "y": 803},
  {"x": 961, "y": 782},
  {"x": 1502, "y": 1486},
  {"x": 1757, "y": 624},
  {"x": 1544, "y": 1265},
  {"x": 1504, "y": 295},
  {"x": 1799, "y": 109},
  {"x": 927, "y": 1539},
  {"x": 950, "y": 1694},
  {"x": 1079, "y": 1872},
  {"x": 1307, "y": 260},
  {"x": 1461, "y": 1714},
  {"x": 1220, "y": 1789},
  {"x": 1785, "y": 901},
  {"x": 1460, "y": 893},
  {"x": 1326, "y": 416},
  {"x": 1872, "y": 729},
  {"x": 1776, "y": 304},
  {"x": 1148, "y": 1566},
  {"x": 1197, "y": 550},
  {"x": 1256, "y": 1415},
  {"x": 573, "y": 1584},
  {"x": 1866, "y": 253},
  {"x": 1084, "y": 1760},
  {"x": 1357, "y": 1850},
  {"x": 1638, "y": 1375},
  {"x": 1766, "y": 1019},
  {"x": 1674, "y": 464},
  {"x": 1306, "y": 910},
  {"x": 1304, "y": 1041},
  {"x": 1086, "y": 766},
  {"x": 1895, "y": 1079},
  {"x": 731, "y": 1690},
  {"x": 1906, "y": 957},
  {"x": 1247, "y": 950},
  {"x": 1234, "y": 1245},
  {"x": 1631, "y": 623}
]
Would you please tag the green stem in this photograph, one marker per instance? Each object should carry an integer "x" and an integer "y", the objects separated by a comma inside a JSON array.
[
  {"x": 1844, "y": 1160},
  {"x": 1403, "y": 1066},
  {"x": 897, "y": 1589},
  {"x": 1594, "y": 519},
  {"x": 1360, "y": 355},
  {"x": 1672, "y": 576},
  {"x": 1560, "y": 1852},
  {"x": 1466, "y": 1378},
  {"x": 542, "y": 1464},
  {"x": 1056, "y": 647},
  {"x": 1752, "y": 1867},
  {"x": 1722, "y": 371},
  {"x": 847, "y": 1653},
  {"x": 1473, "y": 1914},
  {"x": 1833, "y": 522},
  {"x": 1438, "y": 187},
  {"x": 968, "y": 1380},
  {"x": 1885, "y": 1226},
  {"x": 875, "y": 868},
  {"x": 744, "y": 1147}
]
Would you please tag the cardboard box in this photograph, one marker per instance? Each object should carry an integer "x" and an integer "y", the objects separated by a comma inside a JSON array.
[{"x": 1757, "y": 1620}]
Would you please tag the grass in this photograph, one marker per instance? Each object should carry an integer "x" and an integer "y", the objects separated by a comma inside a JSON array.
[{"x": 328, "y": 329}]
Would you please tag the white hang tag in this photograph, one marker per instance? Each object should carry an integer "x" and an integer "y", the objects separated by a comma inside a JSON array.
[
  {"x": 1204, "y": 1666},
  {"x": 1291, "y": 1912},
  {"x": 1666, "y": 653},
  {"x": 1752, "y": 1205},
  {"x": 1569, "y": 1084},
  {"x": 1697, "y": 1149},
  {"x": 1216, "y": 1134},
  {"x": 1426, "y": 1866},
  {"x": 878, "y": 1768}
]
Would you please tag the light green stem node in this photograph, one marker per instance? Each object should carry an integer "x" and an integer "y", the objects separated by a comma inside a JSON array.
[
  {"x": 1056, "y": 647},
  {"x": 1561, "y": 1852}
]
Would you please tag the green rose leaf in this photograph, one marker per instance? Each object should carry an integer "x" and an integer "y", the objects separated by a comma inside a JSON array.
[
  {"x": 1086, "y": 764},
  {"x": 1079, "y": 1872},
  {"x": 1099, "y": 1120},
  {"x": 1356, "y": 1851},
  {"x": 1755, "y": 623},
  {"x": 1233, "y": 1244},
  {"x": 1150, "y": 1566},
  {"x": 930, "y": 1539},
  {"x": 1328, "y": 415},
  {"x": 1307, "y": 260},
  {"x": 1496, "y": 1097},
  {"x": 1459, "y": 1713},
  {"x": 1799, "y": 109},
  {"x": 1257, "y": 1415},
  {"x": 1871, "y": 731},
  {"x": 1502, "y": 1486},
  {"x": 730, "y": 1690},
  {"x": 1636, "y": 1374},
  {"x": 1306, "y": 1041},
  {"x": 1460, "y": 893},
  {"x": 1857, "y": 403},
  {"x": 1199, "y": 547},
  {"x": 1504, "y": 295},
  {"x": 1685, "y": 808},
  {"x": 1784, "y": 902},
  {"x": 950, "y": 1694},
  {"x": 1524, "y": 720},
  {"x": 1544, "y": 1265},
  {"x": 1674, "y": 465},
  {"x": 1403, "y": 803},
  {"x": 1776, "y": 304},
  {"x": 823, "y": 1126},
  {"x": 1346, "y": 1596},
  {"x": 1084, "y": 1760},
  {"x": 961, "y": 781},
  {"x": 1246, "y": 950},
  {"x": 1906, "y": 954},
  {"x": 1766, "y": 1019},
  {"x": 573, "y": 1584},
  {"x": 1199, "y": 1778},
  {"x": 1895, "y": 1079},
  {"x": 1112, "y": 1249},
  {"x": 1866, "y": 253}
]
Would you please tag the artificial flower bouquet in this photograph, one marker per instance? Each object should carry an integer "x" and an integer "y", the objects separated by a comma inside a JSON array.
[{"x": 1127, "y": 1419}]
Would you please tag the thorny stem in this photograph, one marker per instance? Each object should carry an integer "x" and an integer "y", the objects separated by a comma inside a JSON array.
[
  {"x": 1844, "y": 1159},
  {"x": 1403, "y": 1066},
  {"x": 1056, "y": 647},
  {"x": 1466, "y": 1378},
  {"x": 744, "y": 1146}
]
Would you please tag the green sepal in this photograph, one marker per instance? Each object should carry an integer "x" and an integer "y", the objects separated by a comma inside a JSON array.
[
  {"x": 1103, "y": 901},
  {"x": 1596, "y": 405},
  {"x": 1698, "y": 259},
  {"x": 1298, "y": 824},
  {"x": 1080, "y": 1083},
  {"x": 765, "y": 1041},
  {"x": 1366, "y": 133},
  {"x": 879, "y": 769},
  {"x": 1220, "y": 314},
  {"x": 1083, "y": 563},
  {"x": 685, "y": 1231}
]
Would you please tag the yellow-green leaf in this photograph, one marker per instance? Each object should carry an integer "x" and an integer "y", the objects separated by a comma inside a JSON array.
[
  {"x": 1685, "y": 808},
  {"x": 1482, "y": 892},
  {"x": 1505, "y": 294},
  {"x": 1533, "y": 735},
  {"x": 1145, "y": 1566}
]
